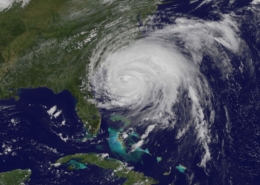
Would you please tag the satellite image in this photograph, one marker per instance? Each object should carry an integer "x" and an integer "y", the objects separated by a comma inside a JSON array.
[{"x": 129, "y": 92}]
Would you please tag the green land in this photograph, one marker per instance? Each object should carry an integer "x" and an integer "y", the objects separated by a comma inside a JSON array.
[
  {"x": 120, "y": 170},
  {"x": 49, "y": 44},
  {"x": 15, "y": 177}
]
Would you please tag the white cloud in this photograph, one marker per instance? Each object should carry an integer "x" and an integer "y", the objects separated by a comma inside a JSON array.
[
  {"x": 52, "y": 110},
  {"x": 6, "y": 4},
  {"x": 256, "y": 2}
]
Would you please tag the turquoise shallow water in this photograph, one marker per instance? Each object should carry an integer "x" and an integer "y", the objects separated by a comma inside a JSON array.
[
  {"x": 115, "y": 145},
  {"x": 122, "y": 148},
  {"x": 181, "y": 168},
  {"x": 77, "y": 165}
]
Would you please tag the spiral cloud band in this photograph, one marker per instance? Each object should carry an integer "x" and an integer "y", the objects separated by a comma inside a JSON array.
[
  {"x": 145, "y": 74},
  {"x": 147, "y": 77}
]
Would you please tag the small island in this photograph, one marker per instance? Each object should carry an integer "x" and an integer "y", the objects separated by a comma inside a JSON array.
[{"x": 100, "y": 160}]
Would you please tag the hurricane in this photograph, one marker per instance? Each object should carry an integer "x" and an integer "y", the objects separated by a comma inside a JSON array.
[
  {"x": 149, "y": 74},
  {"x": 146, "y": 78}
]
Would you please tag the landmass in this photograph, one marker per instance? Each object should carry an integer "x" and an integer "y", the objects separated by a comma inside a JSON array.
[
  {"x": 15, "y": 177},
  {"x": 49, "y": 43},
  {"x": 120, "y": 169}
]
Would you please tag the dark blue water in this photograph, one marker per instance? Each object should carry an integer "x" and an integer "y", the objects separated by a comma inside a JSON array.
[{"x": 35, "y": 142}]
